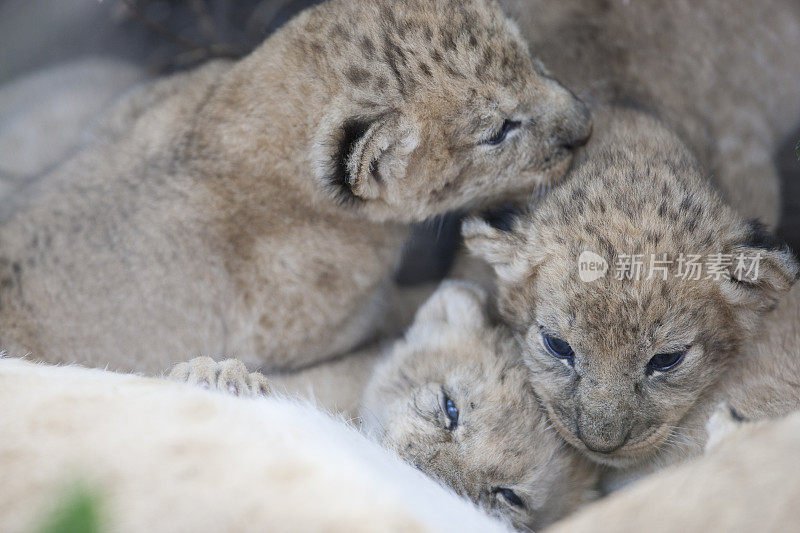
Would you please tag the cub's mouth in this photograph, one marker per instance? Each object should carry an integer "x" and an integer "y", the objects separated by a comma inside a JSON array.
[
  {"x": 634, "y": 451},
  {"x": 552, "y": 169},
  {"x": 537, "y": 177}
]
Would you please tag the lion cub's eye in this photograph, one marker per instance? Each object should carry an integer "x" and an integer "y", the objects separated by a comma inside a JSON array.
[
  {"x": 665, "y": 361},
  {"x": 501, "y": 134},
  {"x": 509, "y": 496},
  {"x": 450, "y": 411},
  {"x": 559, "y": 348}
]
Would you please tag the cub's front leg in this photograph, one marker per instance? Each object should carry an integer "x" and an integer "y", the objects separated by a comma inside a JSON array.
[{"x": 229, "y": 376}]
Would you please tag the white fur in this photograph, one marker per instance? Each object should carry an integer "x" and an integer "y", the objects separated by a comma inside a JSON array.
[{"x": 170, "y": 457}]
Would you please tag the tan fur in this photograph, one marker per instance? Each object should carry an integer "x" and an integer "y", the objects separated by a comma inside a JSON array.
[
  {"x": 258, "y": 208},
  {"x": 723, "y": 74},
  {"x": 637, "y": 190},
  {"x": 765, "y": 381},
  {"x": 502, "y": 439},
  {"x": 746, "y": 482},
  {"x": 164, "y": 457}
]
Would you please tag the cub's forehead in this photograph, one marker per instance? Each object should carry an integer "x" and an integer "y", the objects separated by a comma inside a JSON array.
[
  {"x": 610, "y": 312},
  {"x": 413, "y": 45},
  {"x": 621, "y": 204}
]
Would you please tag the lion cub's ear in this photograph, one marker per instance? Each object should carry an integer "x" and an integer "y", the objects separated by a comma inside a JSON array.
[
  {"x": 493, "y": 238},
  {"x": 356, "y": 154},
  {"x": 763, "y": 269},
  {"x": 455, "y": 303}
]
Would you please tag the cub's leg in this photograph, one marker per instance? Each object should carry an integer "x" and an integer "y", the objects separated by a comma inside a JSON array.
[{"x": 229, "y": 376}]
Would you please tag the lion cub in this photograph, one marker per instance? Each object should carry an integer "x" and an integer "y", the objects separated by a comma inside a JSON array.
[
  {"x": 624, "y": 366},
  {"x": 632, "y": 288},
  {"x": 452, "y": 398},
  {"x": 259, "y": 207}
]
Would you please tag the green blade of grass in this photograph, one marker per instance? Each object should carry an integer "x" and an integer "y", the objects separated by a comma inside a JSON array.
[{"x": 76, "y": 512}]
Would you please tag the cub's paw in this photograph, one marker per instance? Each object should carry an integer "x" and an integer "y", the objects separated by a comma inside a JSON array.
[{"x": 229, "y": 376}]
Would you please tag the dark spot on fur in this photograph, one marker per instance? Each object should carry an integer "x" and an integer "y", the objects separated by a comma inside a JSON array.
[
  {"x": 448, "y": 39},
  {"x": 577, "y": 194},
  {"x": 502, "y": 218},
  {"x": 358, "y": 76},
  {"x": 436, "y": 55},
  {"x": 368, "y": 104},
  {"x": 653, "y": 236},
  {"x": 367, "y": 47},
  {"x": 425, "y": 69},
  {"x": 488, "y": 58},
  {"x": 395, "y": 57},
  {"x": 454, "y": 73},
  {"x": 388, "y": 17},
  {"x": 340, "y": 32}
]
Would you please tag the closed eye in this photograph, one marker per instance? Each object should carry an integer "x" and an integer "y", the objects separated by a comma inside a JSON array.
[{"x": 500, "y": 135}]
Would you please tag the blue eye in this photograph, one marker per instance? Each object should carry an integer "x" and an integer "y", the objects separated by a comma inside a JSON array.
[
  {"x": 559, "y": 348},
  {"x": 451, "y": 411},
  {"x": 500, "y": 136},
  {"x": 510, "y": 496},
  {"x": 665, "y": 361}
]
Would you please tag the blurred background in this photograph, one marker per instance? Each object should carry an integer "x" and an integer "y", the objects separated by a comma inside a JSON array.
[{"x": 163, "y": 36}]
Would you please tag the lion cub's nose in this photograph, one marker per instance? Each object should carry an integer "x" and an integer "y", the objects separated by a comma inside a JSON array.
[
  {"x": 581, "y": 136},
  {"x": 601, "y": 436},
  {"x": 578, "y": 130}
]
